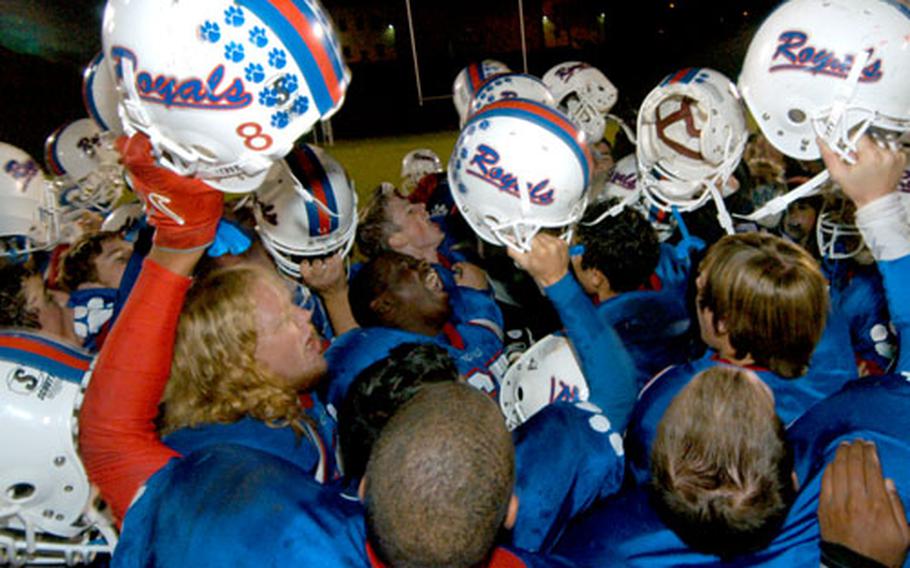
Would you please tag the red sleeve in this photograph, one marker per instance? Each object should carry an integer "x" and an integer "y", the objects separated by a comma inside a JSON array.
[{"x": 118, "y": 442}]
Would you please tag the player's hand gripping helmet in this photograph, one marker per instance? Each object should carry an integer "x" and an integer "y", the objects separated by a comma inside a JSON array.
[
  {"x": 88, "y": 172},
  {"x": 469, "y": 80},
  {"x": 691, "y": 136},
  {"x": 223, "y": 88},
  {"x": 29, "y": 220},
  {"x": 545, "y": 373},
  {"x": 584, "y": 93},
  {"x": 99, "y": 94},
  {"x": 415, "y": 165},
  {"x": 507, "y": 86},
  {"x": 307, "y": 207},
  {"x": 518, "y": 167},
  {"x": 830, "y": 69},
  {"x": 48, "y": 513}
]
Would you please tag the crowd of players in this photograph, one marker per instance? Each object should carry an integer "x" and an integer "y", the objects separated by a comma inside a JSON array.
[{"x": 578, "y": 344}]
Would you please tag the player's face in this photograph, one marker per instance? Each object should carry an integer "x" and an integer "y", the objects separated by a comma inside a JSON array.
[
  {"x": 799, "y": 222},
  {"x": 111, "y": 262},
  {"x": 585, "y": 276},
  {"x": 286, "y": 342},
  {"x": 413, "y": 222},
  {"x": 420, "y": 295},
  {"x": 53, "y": 318}
]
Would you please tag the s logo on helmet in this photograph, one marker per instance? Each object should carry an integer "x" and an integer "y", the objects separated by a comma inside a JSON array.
[
  {"x": 793, "y": 47},
  {"x": 485, "y": 157},
  {"x": 190, "y": 93},
  {"x": 20, "y": 381}
]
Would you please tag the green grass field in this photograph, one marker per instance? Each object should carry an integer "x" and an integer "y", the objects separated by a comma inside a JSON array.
[{"x": 370, "y": 161}]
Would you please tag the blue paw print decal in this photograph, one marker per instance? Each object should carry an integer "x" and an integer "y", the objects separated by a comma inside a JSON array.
[
  {"x": 210, "y": 31},
  {"x": 277, "y": 58},
  {"x": 457, "y": 164},
  {"x": 463, "y": 153},
  {"x": 301, "y": 105},
  {"x": 233, "y": 52},
  {"x": 254, "y": 73},
  {"x": 280, "y": 119},
  {"x": 257, "y": 37},
  {"x": 462, "y": 188},
  {"x": 233, "y": 16},
  {"x": 471, "y": 130},
  {"x": 484, "y": 124},
  {"x": 268, "y": 97},
  {"x": 290, "y": 83}
]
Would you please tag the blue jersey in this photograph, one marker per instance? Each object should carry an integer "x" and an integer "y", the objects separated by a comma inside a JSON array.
[
  {"x": 314, "y": 452},
  {"x": 627, "y": 532},
  {"x": 792, "y": 398},
  {"x": 858, "y": 296},
  {"x": 566, "y": 458},
  {"x": 896, "y": 274},
  {"x": 229, "y": 505},
  {"x": 654, "y": 328}
]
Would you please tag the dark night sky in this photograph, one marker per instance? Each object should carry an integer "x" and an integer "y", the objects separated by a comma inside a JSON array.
[{"x": 45, "y": 44}]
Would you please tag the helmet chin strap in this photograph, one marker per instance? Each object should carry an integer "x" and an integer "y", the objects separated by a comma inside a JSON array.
[
  {"x": 833, "y": 129},
  {"x": 781, "y": 202}
]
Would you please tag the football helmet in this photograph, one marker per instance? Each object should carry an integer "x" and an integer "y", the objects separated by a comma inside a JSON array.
[
  {"x": 307, "y": 207},
  {"x": 223, "y": 88},
  {"x": 48, "y": 513},
  {"x": 691, "y": 136},
  {"x": 835, "y": 231},
  {"x": 88, "y": 172},
  {"x": 99, "y": 94},
  {"x": 469, "y": 80},
  {"x": 831, "y": 69},
  {"x": 124, "y": 219},
  {"x": 29, "y": 220},
  {"x": 511, "y": 86},
  {"x": 415, "y": 165},
  {"x": 518, "y": 167},
  {"x": 545, "y": 373},
  {"x": 584, "y": 93}
]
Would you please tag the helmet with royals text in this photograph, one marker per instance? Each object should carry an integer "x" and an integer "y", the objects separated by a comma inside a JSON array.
[
  {"x": 223, "y": 88},
  {"x": 836, "y": 233},
  {"x": 584, "y": 93},
  {"x": 48, "y": 511},
  {"x": 518, "y": 167},
  {"x": 29, "y": 220},
  {"x": 415, "y": 165},
  {"x": 691, "y": 137},
  {"x": 469, "y": 80},
  {"x": 831, "y": 69},
  {"x": 545, "y": 373},
  {"x": 511, "y": 86},
  {"x": 307, "y": 207},
  {"x": 87, "y": 169},
  {"x": 99, "y": 94}
]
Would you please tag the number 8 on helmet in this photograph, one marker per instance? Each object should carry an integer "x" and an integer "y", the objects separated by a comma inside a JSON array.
[{"x": 223, "y": 88}]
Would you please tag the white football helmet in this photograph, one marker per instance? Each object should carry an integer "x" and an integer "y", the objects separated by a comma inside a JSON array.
[
  {"x": 835, "y": 231},
  {"x": 545, "y": 373},
  {"x": 48, "y": 512},
  {"x": 415, "y": 165},
  {"x": 88, "y": 169},
  {"x": 830, "y": 69},
  {"x": 29, "y": 220},
  {"x": 584, "y": 93},
  {"x": 223, "y": 88},
  {"x": 469, "y": 80},
  {"x": 518, "y": 167},
  {"x": 507, "y": 86},
  {"x": 307, "y": 207},
  {"x": 99, "y": 93},
  {"x": 691, "y": 137}
]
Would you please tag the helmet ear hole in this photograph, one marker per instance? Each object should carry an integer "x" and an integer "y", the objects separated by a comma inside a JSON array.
[
  {"x": 796, "y": 116},
  {"x": 20, "y": 491}
]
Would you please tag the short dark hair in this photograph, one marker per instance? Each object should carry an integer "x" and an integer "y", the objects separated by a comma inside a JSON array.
[
  {"x": 379, "y": 390},
  {"x": 374, "y": 278},
  {"x": 77, "y": 264},
  {"x": 14, "y": 310},
  {"x": 624, "y": 248},
  {"x": 439, "y": 480},
  {"x": 721, "y": 467},
  {"x": 374, "y": 226}
]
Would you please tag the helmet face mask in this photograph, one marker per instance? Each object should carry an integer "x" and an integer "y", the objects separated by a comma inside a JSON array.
[
  {"x": 836, "y": 233},
  {"x": 307, "y": 208},
  {"x": 795, "y": 95},
  {"x": 519, "y": 167},
  {"x": 235, "y": 85},
  {"x": 584, "y": 93}
]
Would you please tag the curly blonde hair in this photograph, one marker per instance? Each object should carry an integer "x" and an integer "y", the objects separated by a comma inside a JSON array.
[{"x": 215, "y": 377}]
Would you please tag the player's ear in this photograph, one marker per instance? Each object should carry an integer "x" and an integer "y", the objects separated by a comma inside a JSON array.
[
  {"x": 511, "y": 514},
  {"x": 397, "y": 240},
  {"x": 382, "y": 306},
  {"x": 362, "y": 489}
]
